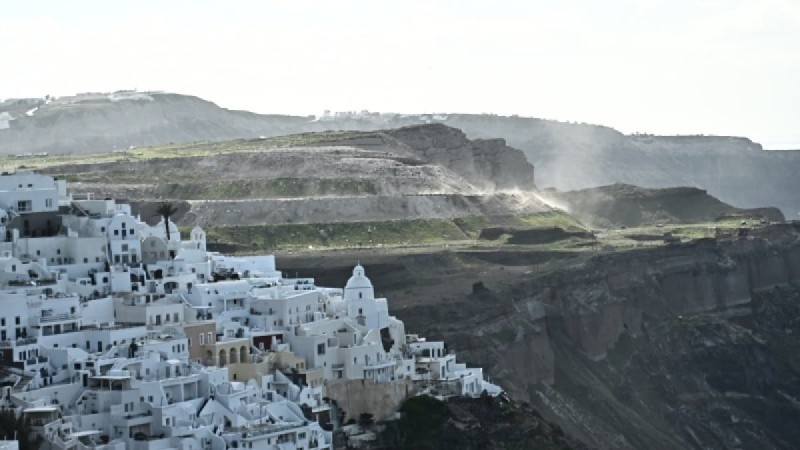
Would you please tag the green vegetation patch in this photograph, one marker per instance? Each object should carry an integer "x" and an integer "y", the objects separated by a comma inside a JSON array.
[
  {"x": 337, "y": 235},
  {"x": 277, "y": 187},
  {"x": 394, "y": 233},
  {"x": 201, "y": 148},
  {"x": 551, "y": 219}
]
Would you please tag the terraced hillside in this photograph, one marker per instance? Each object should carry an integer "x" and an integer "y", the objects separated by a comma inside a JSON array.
[
  {"x": 427, "y": 173},
  {"x": 418, "y": 185}
]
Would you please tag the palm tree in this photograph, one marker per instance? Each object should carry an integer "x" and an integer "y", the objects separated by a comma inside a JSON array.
[{"x": 166, "y": 210}]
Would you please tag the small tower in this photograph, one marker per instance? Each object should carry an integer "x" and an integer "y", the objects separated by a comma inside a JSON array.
[
  {"x": 198, "y": 238},
  {"x": 359, "y": 295}
]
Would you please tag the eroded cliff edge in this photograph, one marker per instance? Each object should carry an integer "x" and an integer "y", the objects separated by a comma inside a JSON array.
[{"x": 694, "y": 345}]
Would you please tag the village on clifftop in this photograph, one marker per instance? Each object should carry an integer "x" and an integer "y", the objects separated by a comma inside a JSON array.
[{"x": 117, "y": 334}]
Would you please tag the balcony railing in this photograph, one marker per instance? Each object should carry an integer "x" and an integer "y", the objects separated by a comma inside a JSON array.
[
  {"x": 16, "y": 342},
  {"x": 58, "y": 318}
]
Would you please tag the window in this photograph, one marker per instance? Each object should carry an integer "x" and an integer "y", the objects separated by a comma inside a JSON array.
[
  {"x": 190, "y": 342},
  {"x": 124, "y": 247},
  {"x": 85, "y": 260},
  {"x": 116, "y": 232},
  {"x": 48, "y": 202},
  {"x": 202, "y": 339},
  {"x": 175, "y": 317},
  {"x": 321, "y": 349},
  {"x": 210, "y": 340},
  {"x": 16, "y": 320}
]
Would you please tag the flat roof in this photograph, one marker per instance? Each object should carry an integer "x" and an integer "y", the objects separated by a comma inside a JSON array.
[
  {"x": 111, "y": 377},
  {"x": 40, "y": 409},
  {"x": 78, "y": 434}
]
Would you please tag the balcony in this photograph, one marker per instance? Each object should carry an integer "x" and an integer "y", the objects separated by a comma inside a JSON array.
[
  {"x": 17, "y": 342},
  {"x": 379, "y": 365},
  {"x": 38, "y": 359},
  {"x": 58, "y": 318}
]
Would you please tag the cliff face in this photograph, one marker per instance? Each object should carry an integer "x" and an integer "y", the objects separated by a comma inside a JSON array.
[
  {"x": 681, "y": 346},
  {"x": 501, "y": 166},
  {"x": 689, "y": 345},
  {"x": 610, "y": 295},
  {"x": 579, "y": 156}
]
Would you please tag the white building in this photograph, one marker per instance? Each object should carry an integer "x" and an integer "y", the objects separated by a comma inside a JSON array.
[{"x": 113, "y": 335}]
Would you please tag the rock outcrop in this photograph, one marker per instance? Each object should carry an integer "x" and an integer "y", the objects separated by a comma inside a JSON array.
[
  {"x": 488, "y": 159},
  {"x": 623, "y": 205}
]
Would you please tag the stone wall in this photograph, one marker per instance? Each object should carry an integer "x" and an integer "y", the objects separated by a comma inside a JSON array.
[{"x": 355, "y": 397}]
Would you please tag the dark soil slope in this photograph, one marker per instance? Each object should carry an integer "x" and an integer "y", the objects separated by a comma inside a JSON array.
[{"x": 625, "y": 205}]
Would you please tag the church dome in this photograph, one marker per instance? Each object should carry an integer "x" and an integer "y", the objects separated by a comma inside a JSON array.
[{"x": 358, "y": 280}]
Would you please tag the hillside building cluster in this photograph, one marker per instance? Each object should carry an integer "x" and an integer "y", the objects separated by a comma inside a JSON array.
[{"x": 117, "y": 334}]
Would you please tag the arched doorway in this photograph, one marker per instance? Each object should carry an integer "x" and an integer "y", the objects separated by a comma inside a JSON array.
[
  {"x": 222, "y": 360},
  {"x": 234, "y": 358}
]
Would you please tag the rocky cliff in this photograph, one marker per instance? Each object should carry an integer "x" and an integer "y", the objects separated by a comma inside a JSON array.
[
  {"x": 488, "y": 159},
  {"x": 684, "y": 346},
  {"x": 578, "y": 156},
  {"x": 690, "y": 345},
  {"x": 624, "y": 205}
]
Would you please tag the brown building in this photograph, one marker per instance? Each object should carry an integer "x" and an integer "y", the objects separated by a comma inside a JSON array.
[{"x": 200, "y": 334}]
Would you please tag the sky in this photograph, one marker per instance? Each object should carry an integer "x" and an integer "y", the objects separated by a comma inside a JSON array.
[{"x": 724, "y": 67}]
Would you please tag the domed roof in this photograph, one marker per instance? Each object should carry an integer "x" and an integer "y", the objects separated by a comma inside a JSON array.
[{"x": 358, "y": 280}]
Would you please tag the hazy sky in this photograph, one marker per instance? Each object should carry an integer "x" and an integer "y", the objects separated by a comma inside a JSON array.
[{"x": 671, "y": 66}]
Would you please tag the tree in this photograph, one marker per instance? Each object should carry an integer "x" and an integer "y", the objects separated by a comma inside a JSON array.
[{"x": 166, "y": 210}]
